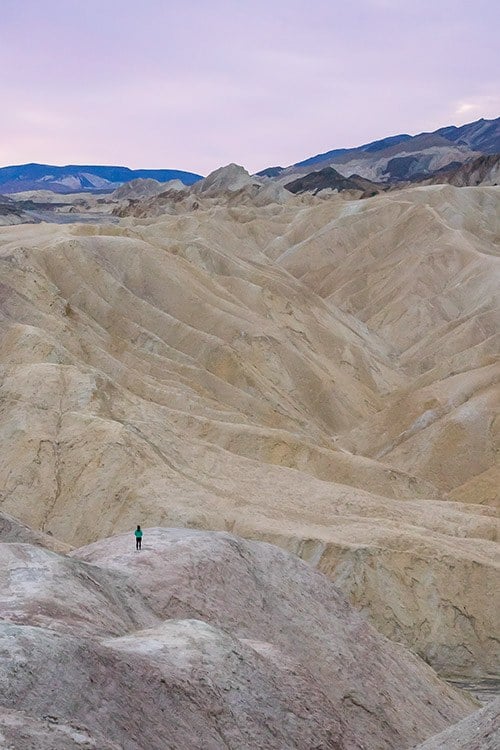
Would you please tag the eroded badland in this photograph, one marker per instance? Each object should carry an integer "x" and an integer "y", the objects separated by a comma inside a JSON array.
[{"x": 320, "y": 374}]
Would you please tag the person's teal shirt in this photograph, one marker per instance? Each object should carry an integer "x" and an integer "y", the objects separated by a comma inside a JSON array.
[{"x": 138, "y": 533}]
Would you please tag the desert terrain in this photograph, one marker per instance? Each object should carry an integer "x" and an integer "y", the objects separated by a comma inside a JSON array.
[
  {"x": 318, "y": 373},
  {"x": 201, "y": 640}
]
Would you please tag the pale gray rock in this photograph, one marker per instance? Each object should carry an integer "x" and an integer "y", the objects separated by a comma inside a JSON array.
[
  {"x": 144, "y": 188},
  {"x": 264, "y": 596},
  {"x": 230, "y": 178},
  {"x": 479, "y": 731},
  {"x": 13, "y": 530},
  {"x": 39, "y": 587},
  {"x": 20, "y": 731},
  {"x": 183, "y": 685},
  {"x": 200, "y": 641}
]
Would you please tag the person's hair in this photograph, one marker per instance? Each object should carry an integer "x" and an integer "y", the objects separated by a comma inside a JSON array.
[{"x": 138, "y": 526}]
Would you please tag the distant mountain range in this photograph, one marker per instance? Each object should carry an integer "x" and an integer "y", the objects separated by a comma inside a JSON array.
[
  {"x": 372, "y": 167},
  {"x": 398, "y": 158},
  {"x": 78, "y": 179}
]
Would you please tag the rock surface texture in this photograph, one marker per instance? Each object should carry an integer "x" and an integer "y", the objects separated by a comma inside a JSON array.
[
  {"x": 480, "y": 731},
  {"x": 200, "y": 640},
  {"x": 321, "y": 374},
  {"x": 12, "y": 530}
]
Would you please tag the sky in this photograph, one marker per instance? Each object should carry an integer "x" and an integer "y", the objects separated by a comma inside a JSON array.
[{"x": 196, "y": 84}]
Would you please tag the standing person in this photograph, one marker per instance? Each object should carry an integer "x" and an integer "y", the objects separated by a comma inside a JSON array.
[{"x": 138, "y": 538}]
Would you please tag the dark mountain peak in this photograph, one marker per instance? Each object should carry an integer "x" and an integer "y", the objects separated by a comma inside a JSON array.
[{"x": 329, "y": 178}]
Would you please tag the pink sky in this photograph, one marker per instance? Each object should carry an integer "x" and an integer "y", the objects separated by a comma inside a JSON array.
[{"x": 196, "y": 84}]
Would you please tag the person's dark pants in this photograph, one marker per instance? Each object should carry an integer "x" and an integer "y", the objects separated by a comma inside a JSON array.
[{"x": 138, "y": 542}]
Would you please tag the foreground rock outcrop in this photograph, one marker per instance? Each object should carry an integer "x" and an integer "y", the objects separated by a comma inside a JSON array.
[{"x": 201, "y": 640}]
